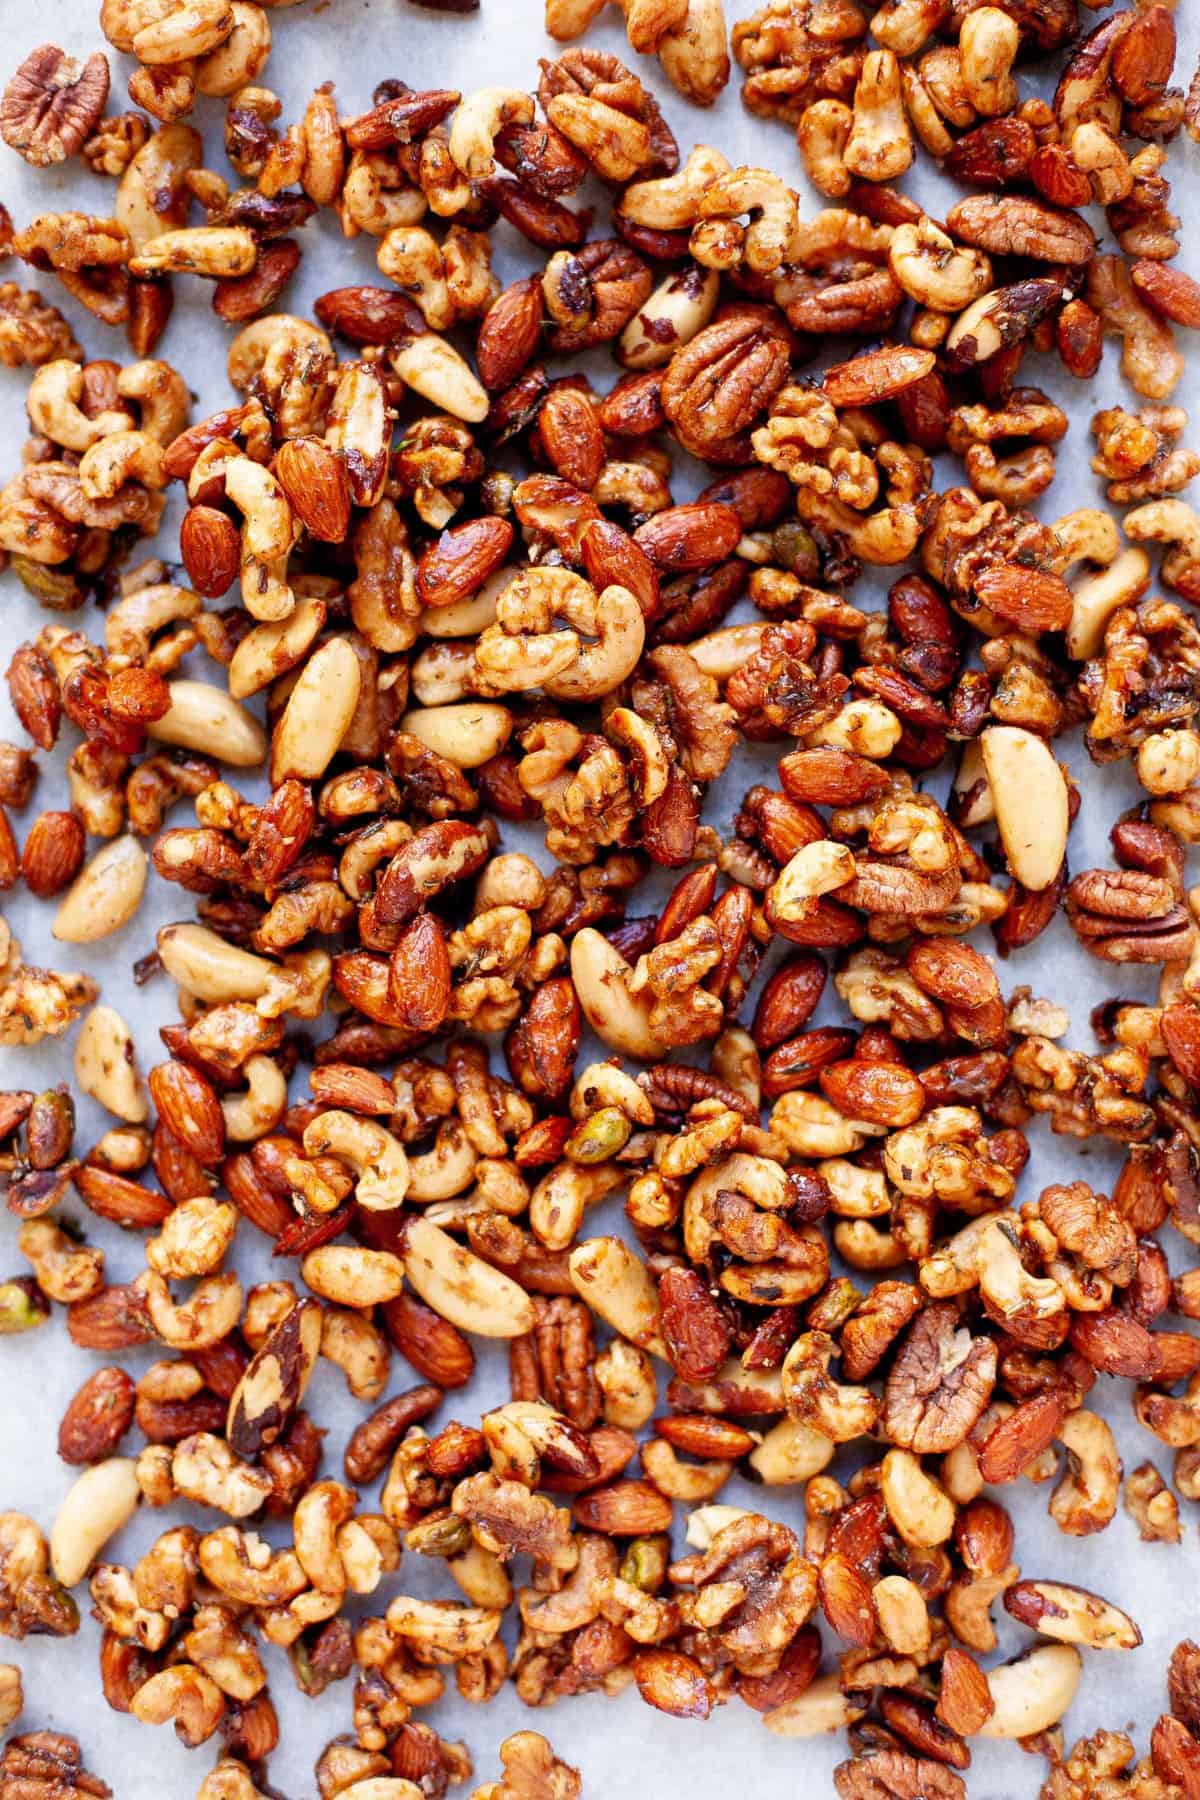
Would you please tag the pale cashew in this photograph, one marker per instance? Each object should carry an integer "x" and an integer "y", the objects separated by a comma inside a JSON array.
[
  {"x": 194, "y": 1238},
  {"x": 52, "y": 403},
  {"x": 879, "y": 146},
  {"x": 768, "y": 238},
  {"x": 210, "y": 968},
  {"x": 1085, "y": 1499},
  {"x": 447, "y": 1169},
  {"x": 376, "y": 197},
  {"x": 359, "y": 428},
  {"x": 1032, "y": 1693},
  {"x": 210, "y": 1314},
  {"x": 378, "y": 1157},
  {"x": 351, "y": 1276},
  {"x": 476, "y": 122},
  {"x": 672, "y": 203},
  {"x": 240, "y": 60},
  {"x": 1099, "y": 596},
  {"x": 134, "y": 622},
  {"x": 821, "y": 1708},
  {"x": 161, "y": 395},
  {"x": 252, "y": 1114},
  {"x": 65, "y": 1270},
  {"x": 987, "y": 47},
  {"x": 1171, "y": 522},
  {"x": 270, "y": 650},
  {"x": 791, "y": 1453},
  {"x": 269, "y": 531},
  {"x": 444, "y": 674},
  {"x": 693, "y": 54},
  {"x": 205, "y": 1470},
  {"x": 217, "y": 252},
  {"x": 276, "y": 338}
]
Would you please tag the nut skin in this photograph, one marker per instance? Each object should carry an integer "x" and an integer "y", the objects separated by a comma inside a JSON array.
[{"x": 52, "y": 854}]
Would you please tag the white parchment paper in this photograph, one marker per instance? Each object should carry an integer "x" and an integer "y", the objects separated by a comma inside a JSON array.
[{"x": 622, "y": 1748}]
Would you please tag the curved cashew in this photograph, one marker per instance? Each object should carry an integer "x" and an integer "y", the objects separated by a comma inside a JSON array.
[
  {"x": 672, "y": 203},
  {"x": 768, "y": 237},
  {"x": 161, "y": 394},
  {"x": 987, "y": 48},
  {"x": 1176, "y": 523},
  {"x": 245, "y": 1569},
  {"x": 476, "y": 122},
  {"x": 209, "y": 1315},
  {"x": 447, "y": 1169},
  {"x": 880, "y": 146},
  {"x": 122, "y": 456},
  {"x": 205, "y": 718},
  {"x": 1096, "y": 599},
  {"x": 152, "y": 196},
  {"x": 252, "y": 1114},
  {"x": 444, "y": 674},
  {"x": 412, "y": 258},
  {"x": 934, "y": 270},
  {"x": 271, "y": 649},
  {"x": 97, "y": 1505},
  {"x": 268, "y": 533},
  {"x": 1032, "y": 1693},
  {"x": 379, "y": 1158},
  {"x": 135, "y": 621},
  {"x": 821, "y": 137},
  {"x": 52, "y": 403},
  {"x": 279, "y": 335}
]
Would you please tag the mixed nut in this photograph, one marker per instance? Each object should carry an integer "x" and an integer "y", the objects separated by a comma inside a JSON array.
[{"x": 457, "y": 575}]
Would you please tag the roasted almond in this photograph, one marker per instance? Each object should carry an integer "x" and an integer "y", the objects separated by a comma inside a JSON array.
[
  {"x": 458, "y": 564},
  {"x": 53, "y": 853},
  {"x": 317, "y": 487},
  {"x": 435, "y": 1348},
  {"x": 113, "y": 1319},
  {"x": 419, "y": 976},
  {"x": 189, "y": 1107},
  {"x": 876, "y": 375},
  {"x": 624, "y": 1509},
  {"x": 995, "y": 154},
  {"x": 509, "y": 334},
  {"x": 571, "y": 436},
  {"x": 97, "y": 1417},
  {"x": 964, "y": 1699},
  {"x": 829, "y": 776},
  {"x": 885, "y": 1093},
  {"x": 1031, "y": 599},
  {"x": 1144, "y": 56},
  {"x": 211, "y": 547},
  {"x": 34, "y": 692},
  {"x": 673, "y": 1683},
  {"x": 1019, "y": 1440},
  {"x": 693, "y": 536},
  {"x": 124, "y": 1202},
  {"x": 789, "y": 998},
  {"x": 369, "y": 315}
]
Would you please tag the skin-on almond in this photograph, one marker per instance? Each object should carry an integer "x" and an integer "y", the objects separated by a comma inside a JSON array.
[
  {"x": 876, "y": 376},
  {"x": 1029, "y": 792},
  {"x": 459, "y": 563},
  {"x": 52, "y": 853},
  {"x": 318, "y": 491}
]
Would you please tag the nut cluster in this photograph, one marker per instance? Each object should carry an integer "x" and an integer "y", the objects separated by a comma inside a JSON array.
[{"x": 458, "y": 580}]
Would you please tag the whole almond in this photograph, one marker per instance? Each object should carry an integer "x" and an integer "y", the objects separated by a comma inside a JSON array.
[
  {"x": 53, "y": 853},
  {"x": 241, "y": 297},
  {"x": 113, "y": 1319},
  {"x": 996, "y": 154},
  {"x": 448, "y": 851},
  {"x": 369, "y": 315},
  {"x": 211, "y": 547},
  {"x": 1030, "y": 599},
  {"x": 692, "y": 536},
  {"x": 189, "y": 1107},
  {"x": 419, "y": 976},
  {"x": 701, "y": 1434},
  {"x": 97, "y": 1417},
  {"x": 886, "y": 1093},
  {"x": 828, "y": 776},
  {"x": 435, "y": 1348},
  {"x": 34, "y": 692},
  {"x": 318, "y": 491},
  {"x": 510, "y": 334},
  {"x": 624, "y": 1509},
  {"x": 673, "y": 1683},
  {"x": 611, "y": 558},
  {"x": 965, "y": 1700},
  {"x": 542, "y": 1045},
  {"x": 459, "y": 563},
  {"x": 1144, "y": 56},
  {"x": 789, "y": 999},
  {"x": 114, "y": 1197},
  {"x": 876, "y": 376},
  {"x": 571, "y": 436},
  {"x": 1018, "y": 1440},
  {"x": 344, "y": 1085}
]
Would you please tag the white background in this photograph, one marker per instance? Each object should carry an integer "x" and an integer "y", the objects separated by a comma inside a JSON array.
[{"x": 622, "y": 1748}]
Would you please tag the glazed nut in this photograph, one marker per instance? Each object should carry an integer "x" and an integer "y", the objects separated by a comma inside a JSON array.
[{"x": 105, "y": 895}]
